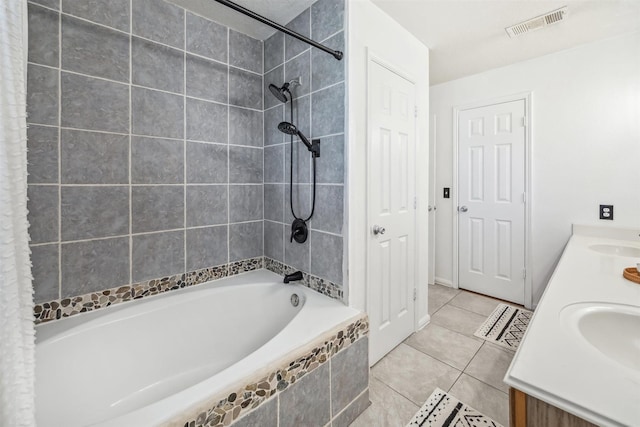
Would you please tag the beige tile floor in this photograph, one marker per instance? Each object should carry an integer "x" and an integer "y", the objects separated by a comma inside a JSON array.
[{"x": 444, "y": 354}]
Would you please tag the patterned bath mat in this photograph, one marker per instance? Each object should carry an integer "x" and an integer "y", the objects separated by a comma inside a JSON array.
[
  {"x": 443, "y": 410},
  {"x": 505, "y": 326}
]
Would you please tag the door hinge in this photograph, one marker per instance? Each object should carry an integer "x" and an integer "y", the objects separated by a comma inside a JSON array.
[
  {"x": 415, "y": 111},
  {"x": 524, "y": 273},
  {"x": 415, "y": 294},
  {"x": 524, "y": 121},
  {"x": 415, "y": 202},
  {"x": 524, "y": 197}
]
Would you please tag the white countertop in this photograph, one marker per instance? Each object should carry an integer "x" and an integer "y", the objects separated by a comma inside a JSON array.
[{"x": 555, "y": 365}]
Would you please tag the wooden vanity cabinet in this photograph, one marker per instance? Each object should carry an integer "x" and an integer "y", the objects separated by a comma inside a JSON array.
[{"x": 527, "y": 411}]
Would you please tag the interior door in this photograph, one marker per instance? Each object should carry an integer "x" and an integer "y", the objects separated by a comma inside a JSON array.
[
  {"x": 491, "y": 200},
  {"x": 391, "y": 209}
]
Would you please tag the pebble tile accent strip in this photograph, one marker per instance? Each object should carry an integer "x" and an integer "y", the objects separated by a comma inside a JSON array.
[
  {"x": 230, "y": 407},
  {"x": 66, "y": 307},
  {"x": 318, "y": 284}
]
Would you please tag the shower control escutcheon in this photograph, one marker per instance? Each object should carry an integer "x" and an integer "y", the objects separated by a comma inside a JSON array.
[{"x": 378, "y": 230}]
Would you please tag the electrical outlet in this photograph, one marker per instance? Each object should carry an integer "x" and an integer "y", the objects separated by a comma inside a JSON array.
[
  {"x": 606, "y": 212},
  {"x": 445, "y": 192}
]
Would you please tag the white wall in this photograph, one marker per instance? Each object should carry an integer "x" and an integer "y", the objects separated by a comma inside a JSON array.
[
  {"x": 586, "y": 143},
  {"x": 371, "y": 30}
]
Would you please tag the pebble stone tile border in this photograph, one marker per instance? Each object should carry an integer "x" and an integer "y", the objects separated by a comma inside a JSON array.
[
  {"x": 66, "y": 307},
  {"x": 232, "y": 406},
  {"x": 318, "y": 284}
]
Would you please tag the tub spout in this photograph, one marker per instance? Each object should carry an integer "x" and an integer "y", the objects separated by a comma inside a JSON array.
[{"x": 293, "y": 277}]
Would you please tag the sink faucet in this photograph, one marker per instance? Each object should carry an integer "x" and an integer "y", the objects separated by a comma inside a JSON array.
[{"x": 293, "y": 277}]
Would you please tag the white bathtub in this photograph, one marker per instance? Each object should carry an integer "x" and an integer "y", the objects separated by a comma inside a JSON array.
[{"x": 143, "y": 362}]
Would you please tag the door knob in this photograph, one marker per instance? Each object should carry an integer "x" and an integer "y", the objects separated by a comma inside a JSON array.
[
  {"x": 378, "y": 230},
  {"x": 431, "y": 208},
  {"x": 463, "y": 209}
]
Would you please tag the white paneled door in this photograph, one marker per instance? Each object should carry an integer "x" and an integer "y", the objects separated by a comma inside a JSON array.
[
  {"x": 491, "y": 200},
  {"x": 391, "y": 209}
]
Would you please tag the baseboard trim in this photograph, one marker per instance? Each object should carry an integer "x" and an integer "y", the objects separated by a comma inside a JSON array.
[{"x": 444, "y": 282}]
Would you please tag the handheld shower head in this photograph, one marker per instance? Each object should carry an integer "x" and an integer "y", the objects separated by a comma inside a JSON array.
[
  {"x": 280, "y": 92},
  {"x": 288, "y": 128}
]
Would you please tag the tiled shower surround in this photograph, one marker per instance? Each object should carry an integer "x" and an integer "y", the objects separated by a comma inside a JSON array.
[{"x": 146, "y": 162}]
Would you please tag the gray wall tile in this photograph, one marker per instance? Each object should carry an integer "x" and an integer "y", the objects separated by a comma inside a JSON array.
[
  {"x": 245, "y": 52},
  {"x": 302, "y": 195},
  {"x": 94, "y": 50},
  {"x": 42, "y": 95},
  {"x": 54, "y": 4},
  {"x": 159, "y": 21},
  {"x": 300, "y": 66},
  {"x": 245, "y": 203},
  {"x": 245, "y": 89},
  {"x": 349, "y": 374},
  {"x": 273, "y": 117},
  {"x": 273, "y": 240},
  {"x": 326, "y": 70},
  {"x": 112, "y": 13},
  {"x": 157, "y": 255},
  {"x": 206, "y": 205},
  {"x": 245, "y": 127},
  {"x": 295, "y": 254},
  {"x": 207, "y": 163},
  {"x": 157, "y": 113},
  {"x": 301, "y": 116},
  {"x": 245, "y": 240},
  {"x": 327, "y": 17},
  {"x": 301, "y": 24},
  {"x": 273, "y": 51},
  {"x": 90, "y": 212},
  {"x": 206, "y": 247},
  {"x": 327, "y": 111},
  {"x": 94, "y": 104},
  {"x": 245, "y": 165},
  {"x": 44, "y": 28},
  {"x": 301, "y": 163},
  {"x": 276, "y": 77},
  {"x": 157, "y": 66},
  {"x": 206, "y": 38},
  {"x": 207, "y": 79},
  {"x": 94, "y": 265},
  {"x": 306, "y": 403},
  {"x": 274, "y": 202},
  {"x": 273, "y": 163},
  {"x": 94, "y": 158},
  {"x": 156, "y": 161},
  {"x": 42, "y": 154},
  {"x": 265, "y": 415},
  {"x": 157, "y": 208},
  {"x": 330, "y": 164},
  {"x": 327, "y": 254},
  {"x": 43, "y": 203},
  {"x": 350, "y": 414},
  {"x": 329, "y": 209},
  {"x": 44, "y": 260},
  {"x": 207, "y": 121}
]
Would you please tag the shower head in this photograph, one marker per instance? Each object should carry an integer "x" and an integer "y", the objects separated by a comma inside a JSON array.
[
  {"x": 291, "y": 129},
  {"x": 288, "y": 128},
  {"x": 280, "y": 92}
]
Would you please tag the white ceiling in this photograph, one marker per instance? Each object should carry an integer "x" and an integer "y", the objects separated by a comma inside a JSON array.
[
  {"x": 468, "y": 37},
  {"x": 279, "y": 11},
  {"x": 465, "y": 37}
]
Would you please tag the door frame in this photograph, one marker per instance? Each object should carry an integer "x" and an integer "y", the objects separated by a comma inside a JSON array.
[
  {"x": 371, "y": 58},
  {"x": 527, "y": 97}
]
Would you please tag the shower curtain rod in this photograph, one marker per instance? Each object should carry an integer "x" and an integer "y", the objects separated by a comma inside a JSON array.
[{"x": 251, "y": 14}]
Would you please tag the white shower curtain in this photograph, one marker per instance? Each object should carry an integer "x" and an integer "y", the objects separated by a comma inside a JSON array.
[{"x": 17, "y": 348}]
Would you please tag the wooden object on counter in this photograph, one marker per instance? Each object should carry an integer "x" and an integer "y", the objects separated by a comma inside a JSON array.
[
  {"x": 631, "y": 273},
  {"x": 527, "y": 411}
]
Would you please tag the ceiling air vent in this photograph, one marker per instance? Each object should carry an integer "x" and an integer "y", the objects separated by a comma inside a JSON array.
[{"x": 538, "y": 22}]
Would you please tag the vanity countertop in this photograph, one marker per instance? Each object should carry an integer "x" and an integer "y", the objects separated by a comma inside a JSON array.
[{"x": 555, "y": 363}]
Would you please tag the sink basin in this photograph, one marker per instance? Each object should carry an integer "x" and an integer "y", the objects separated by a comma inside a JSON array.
[
  {"x": 628, "y": 251},
  {"x": 611, "y": 329}
]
